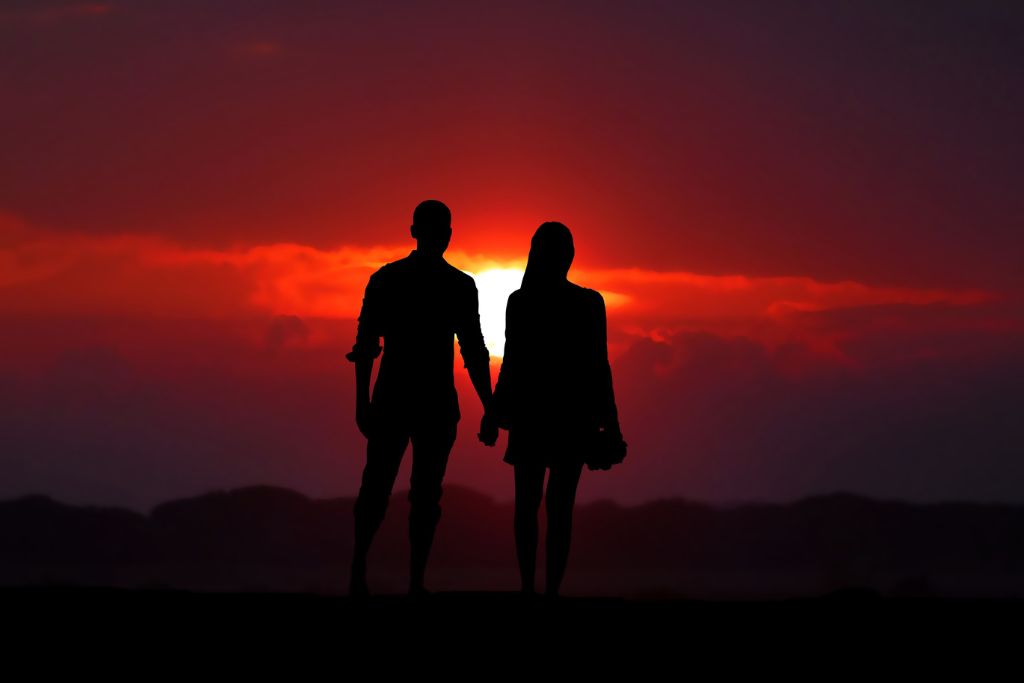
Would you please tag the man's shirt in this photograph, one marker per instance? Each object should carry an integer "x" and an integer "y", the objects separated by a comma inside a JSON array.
[{"x": 418, "y": 305}]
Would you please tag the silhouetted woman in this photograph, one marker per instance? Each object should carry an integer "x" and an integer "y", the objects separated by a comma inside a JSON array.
[{"x": 553, "y": 394}]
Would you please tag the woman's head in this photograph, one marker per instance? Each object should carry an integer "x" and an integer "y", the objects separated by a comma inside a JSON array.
[{"x": 551, "y": 253}]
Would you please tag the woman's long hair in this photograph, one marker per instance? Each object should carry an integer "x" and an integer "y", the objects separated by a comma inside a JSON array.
[{"x": 551, "y": 254}]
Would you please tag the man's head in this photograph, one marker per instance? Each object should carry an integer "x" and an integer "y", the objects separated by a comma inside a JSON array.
[{"x": 431, "y": 227}]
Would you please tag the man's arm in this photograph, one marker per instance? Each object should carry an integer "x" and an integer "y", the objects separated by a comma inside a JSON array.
[
  {"x": 364, "y": 368},
  {"x": 476, "y": 358},
  {"x": 475, "y": 355},
  {"x": 365, "y": 351}
]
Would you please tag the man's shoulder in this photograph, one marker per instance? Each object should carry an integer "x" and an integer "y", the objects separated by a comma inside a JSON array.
[
  {"x": 458, "y": 275},
  {"x": 391, "y": 269},
  {"x": 405, "y": 272},
  {"x": 459, "y": 278}
]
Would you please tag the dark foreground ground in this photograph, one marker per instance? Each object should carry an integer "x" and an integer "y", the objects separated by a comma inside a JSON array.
[{"x": 392, "y": 633}]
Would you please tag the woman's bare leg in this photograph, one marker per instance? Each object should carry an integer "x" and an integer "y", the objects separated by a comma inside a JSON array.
[
  {"x": 529, "y": 481},
  {"x": 561, "y": 498}
]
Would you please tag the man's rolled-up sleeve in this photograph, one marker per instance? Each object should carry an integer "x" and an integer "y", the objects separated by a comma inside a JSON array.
[{"x": 367, "y": 346}]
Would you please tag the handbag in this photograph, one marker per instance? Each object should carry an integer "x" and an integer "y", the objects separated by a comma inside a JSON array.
[{"x": 606, "y": 448}]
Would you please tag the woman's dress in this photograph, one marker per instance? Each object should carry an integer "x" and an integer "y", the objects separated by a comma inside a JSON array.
[{"x": 554, "y": 389}]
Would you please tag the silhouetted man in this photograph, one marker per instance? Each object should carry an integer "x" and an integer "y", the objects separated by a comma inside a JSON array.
[{"x": 417, "y": 304}]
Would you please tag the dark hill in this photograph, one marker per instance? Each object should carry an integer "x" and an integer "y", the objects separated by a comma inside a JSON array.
[{"x": 269, "y": 538}]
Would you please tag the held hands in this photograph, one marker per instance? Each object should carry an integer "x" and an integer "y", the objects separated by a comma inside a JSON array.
[{"x": 488, "y": 431}]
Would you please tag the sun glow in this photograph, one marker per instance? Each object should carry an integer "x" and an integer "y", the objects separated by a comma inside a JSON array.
[{"x": 494, "y": 286}]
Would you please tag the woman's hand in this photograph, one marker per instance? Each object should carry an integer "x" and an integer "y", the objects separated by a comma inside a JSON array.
[{"x": 614, "y": 429}]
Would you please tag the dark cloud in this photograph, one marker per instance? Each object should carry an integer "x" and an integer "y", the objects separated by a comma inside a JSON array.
[
  {"x": 725, "y": 419},
  {"x": 22, "y": 12},
  {"x": 878, "y": 141},
  {"x": 155, "y": 409},
  {"x": 284, "y": 329},
  {"x": 135, "y": 412}
]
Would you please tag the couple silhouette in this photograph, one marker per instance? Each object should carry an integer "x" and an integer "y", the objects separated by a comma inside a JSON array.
[{"x": 553, "y": 394}]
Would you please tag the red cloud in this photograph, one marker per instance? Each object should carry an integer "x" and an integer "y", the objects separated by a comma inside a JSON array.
[{"x": 54, "y": 273}]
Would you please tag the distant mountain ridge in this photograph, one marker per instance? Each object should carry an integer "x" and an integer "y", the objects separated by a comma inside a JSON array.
[{"x": 272, "y": 538}]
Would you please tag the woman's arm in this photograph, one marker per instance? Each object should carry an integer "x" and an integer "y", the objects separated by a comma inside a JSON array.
[
  {"x": 608, "y": 414},
  {"x": 500, "y": 406}
]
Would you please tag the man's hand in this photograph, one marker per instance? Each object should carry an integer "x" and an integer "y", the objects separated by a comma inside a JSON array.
[
  {"x": 488, "y": 431},
  {"x": 364, "y": 418}
]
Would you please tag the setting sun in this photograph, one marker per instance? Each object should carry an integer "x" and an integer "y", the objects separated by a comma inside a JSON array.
[{"x": 494, "y": 286}]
